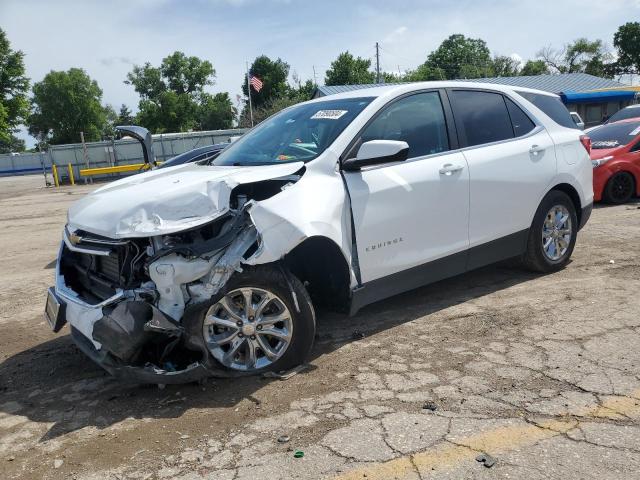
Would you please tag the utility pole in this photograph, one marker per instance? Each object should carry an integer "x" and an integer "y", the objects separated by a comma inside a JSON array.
[
  {"x": 377, "y": 63},
  {"x": 315, "y": 80}
]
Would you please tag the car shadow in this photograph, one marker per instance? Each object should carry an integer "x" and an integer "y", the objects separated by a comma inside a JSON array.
[{"x": 53, "y": 382}]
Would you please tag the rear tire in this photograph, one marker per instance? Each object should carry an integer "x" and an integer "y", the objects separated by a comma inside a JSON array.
[
  {"x": 552, "y": 235},
  {"x": 274, "y": 333},
  {"x": 620, "y": 188}
]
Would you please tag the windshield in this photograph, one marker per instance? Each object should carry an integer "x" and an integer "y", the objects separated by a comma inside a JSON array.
[
  {"x": 298, "y": 134},
  {"x": 629, "y": 112},
  {"x": 614, "y": 135}
]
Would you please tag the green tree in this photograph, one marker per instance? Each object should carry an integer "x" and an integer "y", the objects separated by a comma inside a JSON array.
[
  {"x": 172, "y": 95},
  {"x": 273, "y": 74},
  {"x": 349, "y": 70},
  {"x": 263, "y": 112},
  {"x": 580, "y": 56},
  {"x": 14, "y": 105},
  {"x": 627, "y": 44},
  {"x": 168, "y": 112},
  {"x": 534, "y": 67},
  {"x": 125, "y": 117},
  {"x": 65, "y": 104},
  {"x": 111, "y": 120},
  {"x": 14, "y": 145},
  {"x": 461, "y": 57},
  {"x": 299, "y": 91},
  {"x": 216, "y": 112},
  {"x": 504, "y": 66},
  {"x": 296, "y": 93},
  {"x": 424, "y": 73}
]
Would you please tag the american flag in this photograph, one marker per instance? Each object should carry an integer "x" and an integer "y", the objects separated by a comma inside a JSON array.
[{"x": 255, "y": 82}]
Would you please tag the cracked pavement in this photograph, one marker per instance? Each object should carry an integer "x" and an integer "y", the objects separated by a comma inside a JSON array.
[{"x": 540, "y": 372}]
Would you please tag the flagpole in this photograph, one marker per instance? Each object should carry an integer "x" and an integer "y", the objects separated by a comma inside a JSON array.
[{"x": 249, "y": 93}]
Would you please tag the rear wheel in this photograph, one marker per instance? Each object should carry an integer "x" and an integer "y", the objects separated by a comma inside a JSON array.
[
  {"x": 263, "y": 321},
  {"x": 553, "y": 233},
  {"x": 620, "y": 188}
]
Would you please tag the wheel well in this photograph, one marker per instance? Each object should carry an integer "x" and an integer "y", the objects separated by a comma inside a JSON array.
[
  {"x": 633, "y": 176},
  {"x": 320, "y": 265},
  {"x": 573, "y": 195}
]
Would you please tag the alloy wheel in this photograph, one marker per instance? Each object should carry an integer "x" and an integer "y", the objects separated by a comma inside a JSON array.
[
  {"x": 556, "y": 233},
  {"x": 621, "y": 187},
  {"x": 248, "y": 329}
]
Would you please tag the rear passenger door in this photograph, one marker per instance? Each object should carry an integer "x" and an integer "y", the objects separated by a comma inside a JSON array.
[{"x": 511, "y": 161}]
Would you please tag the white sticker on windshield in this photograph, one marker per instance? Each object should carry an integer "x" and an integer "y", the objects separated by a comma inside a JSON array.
[
  {"x": 328, "y": 114},
  {"x": 635, "y": 131}
]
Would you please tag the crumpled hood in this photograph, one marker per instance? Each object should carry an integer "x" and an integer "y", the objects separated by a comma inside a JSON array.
[{"x": 165, "y": 201}]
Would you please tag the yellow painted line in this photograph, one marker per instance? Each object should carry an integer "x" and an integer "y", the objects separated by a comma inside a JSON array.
[
  {"x": 496, "y": 441},
  {"x": 86, "y": 172}
]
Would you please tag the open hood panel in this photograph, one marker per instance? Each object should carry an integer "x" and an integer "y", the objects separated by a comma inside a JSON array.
[{"x": 165, "y": 201}]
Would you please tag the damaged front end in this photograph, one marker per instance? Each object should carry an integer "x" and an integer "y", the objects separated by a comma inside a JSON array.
[{"x": 133, "y": 304}]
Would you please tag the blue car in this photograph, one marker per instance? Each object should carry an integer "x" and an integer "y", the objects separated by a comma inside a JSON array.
[{"x": 195, "y": 155}]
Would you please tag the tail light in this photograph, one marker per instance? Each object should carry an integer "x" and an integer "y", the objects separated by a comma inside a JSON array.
[{"x": 586, "y": 143}]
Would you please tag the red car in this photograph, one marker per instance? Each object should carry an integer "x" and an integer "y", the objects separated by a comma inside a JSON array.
[{"x": 615, "y": 156}]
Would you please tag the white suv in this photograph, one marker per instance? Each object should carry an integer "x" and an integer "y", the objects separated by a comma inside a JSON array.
[{"x": 215, "y": 268}]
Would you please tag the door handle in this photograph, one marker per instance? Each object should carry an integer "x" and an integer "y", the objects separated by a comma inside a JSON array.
[
  {"x": 536, "y": 149},
  {"x": 450, "y": 169}
]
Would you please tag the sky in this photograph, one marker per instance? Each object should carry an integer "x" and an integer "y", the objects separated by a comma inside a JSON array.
[{"x": 106, "y": 38}]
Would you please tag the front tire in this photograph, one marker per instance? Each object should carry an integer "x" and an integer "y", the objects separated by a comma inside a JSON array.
[
  {"x": 620, "y": 188},
  {"x": 262, "y": 320},
  {"x": 553, "y": 234}
]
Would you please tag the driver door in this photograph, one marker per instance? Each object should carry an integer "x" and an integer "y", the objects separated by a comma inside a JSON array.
[{"x": 407, "y": 214}]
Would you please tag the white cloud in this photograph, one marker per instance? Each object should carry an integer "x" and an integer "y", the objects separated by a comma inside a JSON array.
[
  {"x": 517, "y": 58},
  {"x": 396, "y": 35}
]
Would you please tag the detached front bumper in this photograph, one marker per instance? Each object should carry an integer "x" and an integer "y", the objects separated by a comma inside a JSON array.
[
  {"x": 118, "y": 324},
  {"x": 147, "y": 374}
]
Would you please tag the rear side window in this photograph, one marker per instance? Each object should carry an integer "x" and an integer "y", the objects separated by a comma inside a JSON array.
[
  {"x": 417, "y": 119},
  {"x": 521, "y": 122},
  {"x": 483, "y": 115},
  {"x": 552, "y": 107}
]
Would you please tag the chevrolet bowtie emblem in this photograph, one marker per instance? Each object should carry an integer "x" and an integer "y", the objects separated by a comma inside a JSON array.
[{"x": 75, "y": 238}]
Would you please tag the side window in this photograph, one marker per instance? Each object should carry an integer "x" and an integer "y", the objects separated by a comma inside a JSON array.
[
  {"x": 522, "y": 124},
  {"x": 635, "y": 148},
  {"x": 483, "y": 115},
  {"x": 417, "y": 119},
  {"x": 553, "y": 107}
]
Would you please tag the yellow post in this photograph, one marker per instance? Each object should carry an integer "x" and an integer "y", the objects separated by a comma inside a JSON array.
[
  {"x": 70, "y": 168},
  {"x": 54, "y": 171}
]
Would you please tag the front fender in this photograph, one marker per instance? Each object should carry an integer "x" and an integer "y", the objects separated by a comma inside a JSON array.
[{"x": 314, "y": 206}]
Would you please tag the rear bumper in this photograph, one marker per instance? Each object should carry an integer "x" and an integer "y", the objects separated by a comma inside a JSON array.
[{"x": 586, "y": 214}]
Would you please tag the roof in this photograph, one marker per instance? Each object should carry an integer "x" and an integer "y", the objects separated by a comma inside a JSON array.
[
  {"x": 390, "y": 90},
  {"x": 556, "y": 83},
  {"x": 600, "y": 96}
]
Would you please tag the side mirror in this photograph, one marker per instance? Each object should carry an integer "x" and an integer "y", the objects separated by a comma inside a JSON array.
[{"x": 376, "y": 152}]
